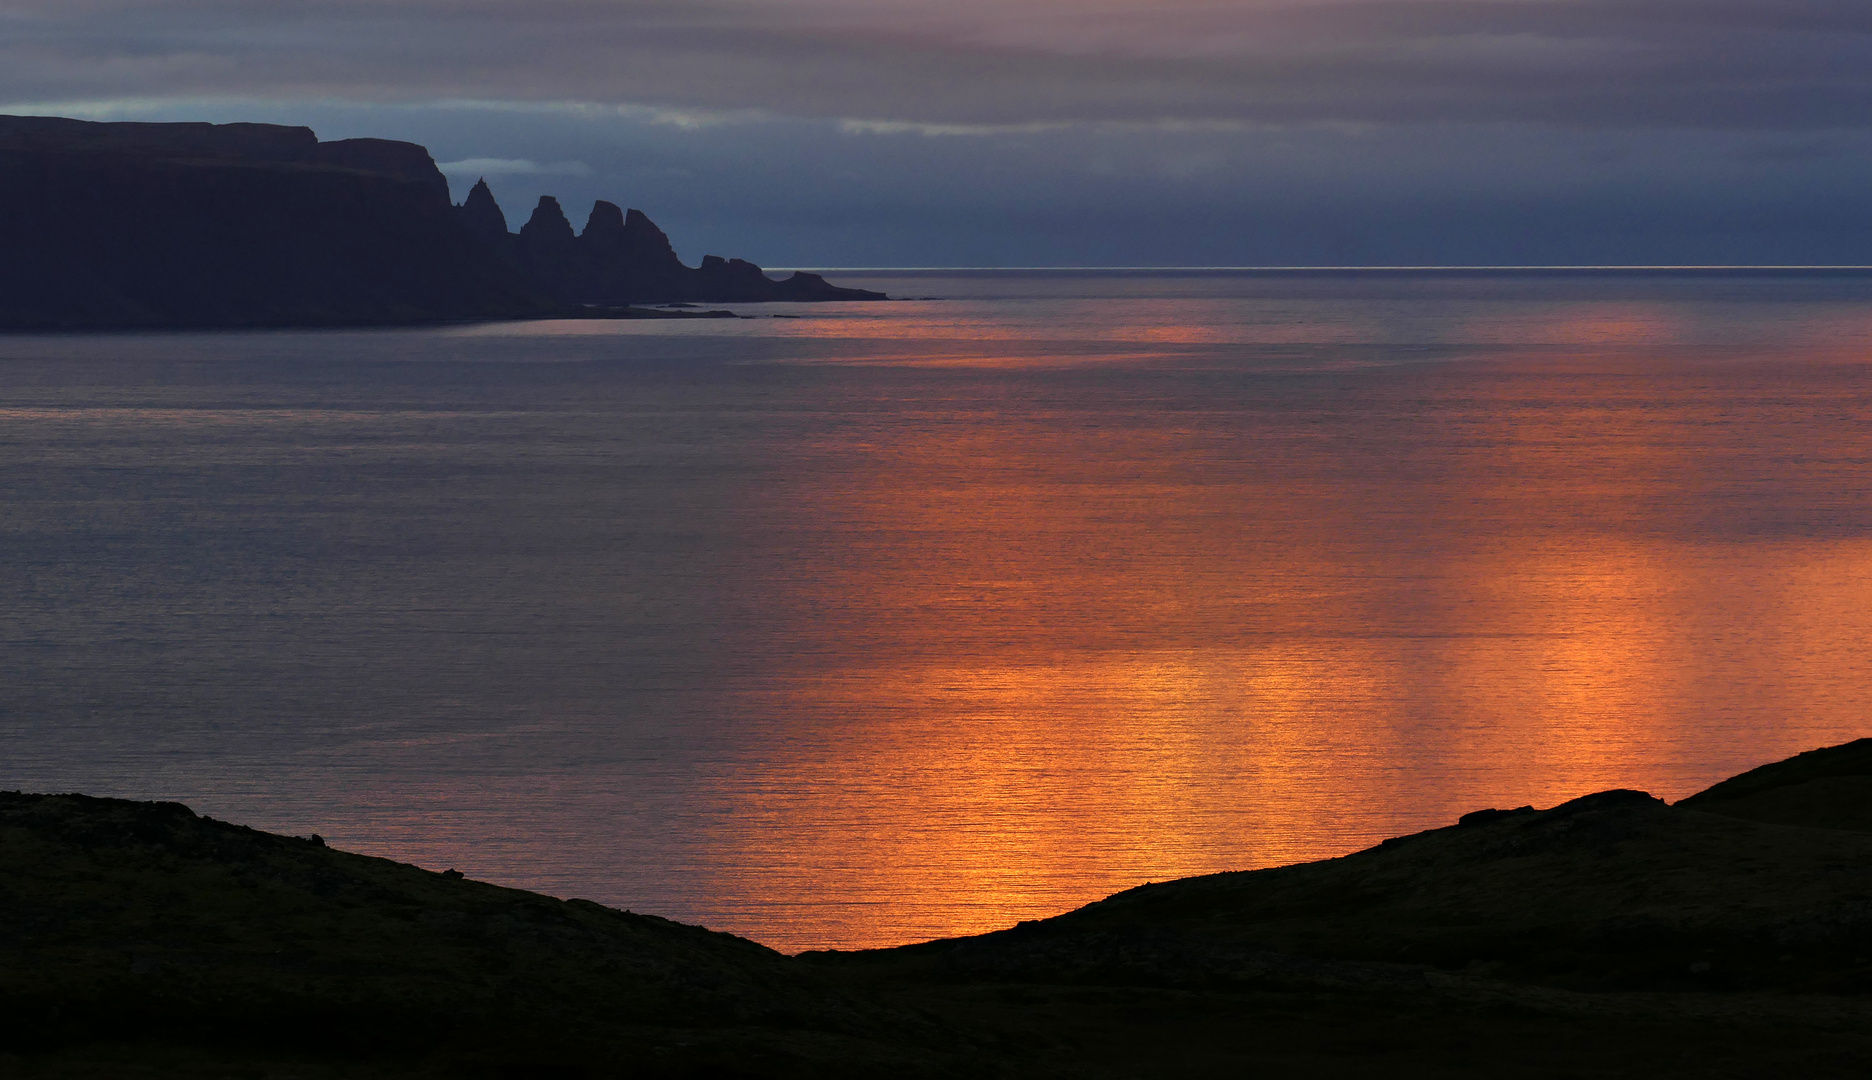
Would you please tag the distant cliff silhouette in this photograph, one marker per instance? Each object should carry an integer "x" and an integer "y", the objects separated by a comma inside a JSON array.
[
  {"x": 623, "y": 258},
  {"x": 121, "y": 225},
  {"x": 179, "y": 225}
]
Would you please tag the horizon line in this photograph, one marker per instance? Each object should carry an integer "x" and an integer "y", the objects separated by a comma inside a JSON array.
[{"x": 1326, "y": 269}]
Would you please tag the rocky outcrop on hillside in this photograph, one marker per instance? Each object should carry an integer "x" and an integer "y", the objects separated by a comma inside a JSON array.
[
  {"x": 107, "y": 225},
  {"x": 623, "y": 258}
]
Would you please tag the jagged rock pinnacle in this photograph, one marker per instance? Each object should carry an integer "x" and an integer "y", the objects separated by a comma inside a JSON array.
[
  {"x": 482, "y": 214},
  {"x": 605, "y": 218},
  {"x": 547, "y": 223}
]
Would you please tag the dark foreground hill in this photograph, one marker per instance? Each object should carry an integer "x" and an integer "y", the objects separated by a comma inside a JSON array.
[
  {"x": 623, "y": 258},
  {"x": 1729, "y": 935},
  {"x": 140, "y": 935},
  {"x": 121, "y": 225}
]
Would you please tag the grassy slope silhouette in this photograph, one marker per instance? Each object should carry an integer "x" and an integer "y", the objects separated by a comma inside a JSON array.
[{"x": 1728, "y": 935}]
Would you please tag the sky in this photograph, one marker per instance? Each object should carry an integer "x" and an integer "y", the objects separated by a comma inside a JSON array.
[{"x": 840, "y": 133}]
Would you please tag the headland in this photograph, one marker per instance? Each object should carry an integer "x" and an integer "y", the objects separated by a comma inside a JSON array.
[{"x": 174, "y": 226}]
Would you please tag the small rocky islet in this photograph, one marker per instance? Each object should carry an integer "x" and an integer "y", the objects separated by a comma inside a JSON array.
[{"x": 1729, "y": 934}]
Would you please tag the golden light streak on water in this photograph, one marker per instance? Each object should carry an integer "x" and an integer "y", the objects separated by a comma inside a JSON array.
[{"x": 898, "y": 621}]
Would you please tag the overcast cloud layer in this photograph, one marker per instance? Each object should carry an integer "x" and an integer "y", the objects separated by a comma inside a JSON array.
[
  {"x": 1759, "y": 63},
  {"x": 1418, "y": 128}
]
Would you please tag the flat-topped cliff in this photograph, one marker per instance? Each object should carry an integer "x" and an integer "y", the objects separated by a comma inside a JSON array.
[{"x": 195, "y": 225}]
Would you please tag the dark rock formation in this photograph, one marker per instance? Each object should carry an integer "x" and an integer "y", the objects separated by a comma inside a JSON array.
[
  {"x": 226, "y": 225},
  {"x": 483, "y": 216},
  {"x": 124, "y": 921},
  {"x": 630, "y": 256},
  {"x": 551, "y": 254},
  {"x": 1611, "y": 891},
  {"x": 623, "y": 258},
  {"x": 198, "y": 225}
]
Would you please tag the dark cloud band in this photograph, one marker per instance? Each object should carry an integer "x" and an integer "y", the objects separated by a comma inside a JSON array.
[{"x": 1765, "y": 64}]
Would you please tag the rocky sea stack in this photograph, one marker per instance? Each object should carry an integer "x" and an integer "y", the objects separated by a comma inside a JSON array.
[
  {"x": 623, "y": 258},
  {"x": 132, "y": 225}
]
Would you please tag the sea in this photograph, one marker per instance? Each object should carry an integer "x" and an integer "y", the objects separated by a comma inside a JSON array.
[{"x": 850, "y": 625}]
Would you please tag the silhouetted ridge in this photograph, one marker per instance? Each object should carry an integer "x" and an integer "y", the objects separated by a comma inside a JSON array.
[
  {"x": 1829, "y": 788},
  {"x": 173, "y": 225},
  {"x": 406, "y": 161},
  {"x": 1611, "y": 935},
  {"x": 623, "y": 258},
  {"x": 118, "y": 225},
  {"x": 237, "y": 142},
  {"x": 1615, "y": 890}
]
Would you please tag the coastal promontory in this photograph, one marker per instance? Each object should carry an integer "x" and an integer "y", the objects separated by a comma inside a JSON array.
[{"x": 190, "y": 225}]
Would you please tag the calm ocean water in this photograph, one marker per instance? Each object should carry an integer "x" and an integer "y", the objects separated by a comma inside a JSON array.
[{"x": 902, "y": 620}]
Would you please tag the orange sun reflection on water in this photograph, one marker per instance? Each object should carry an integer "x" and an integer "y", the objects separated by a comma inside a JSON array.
[
  {"x": 1104, "y": 649},
  {"x": 899, "y": 621}
]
